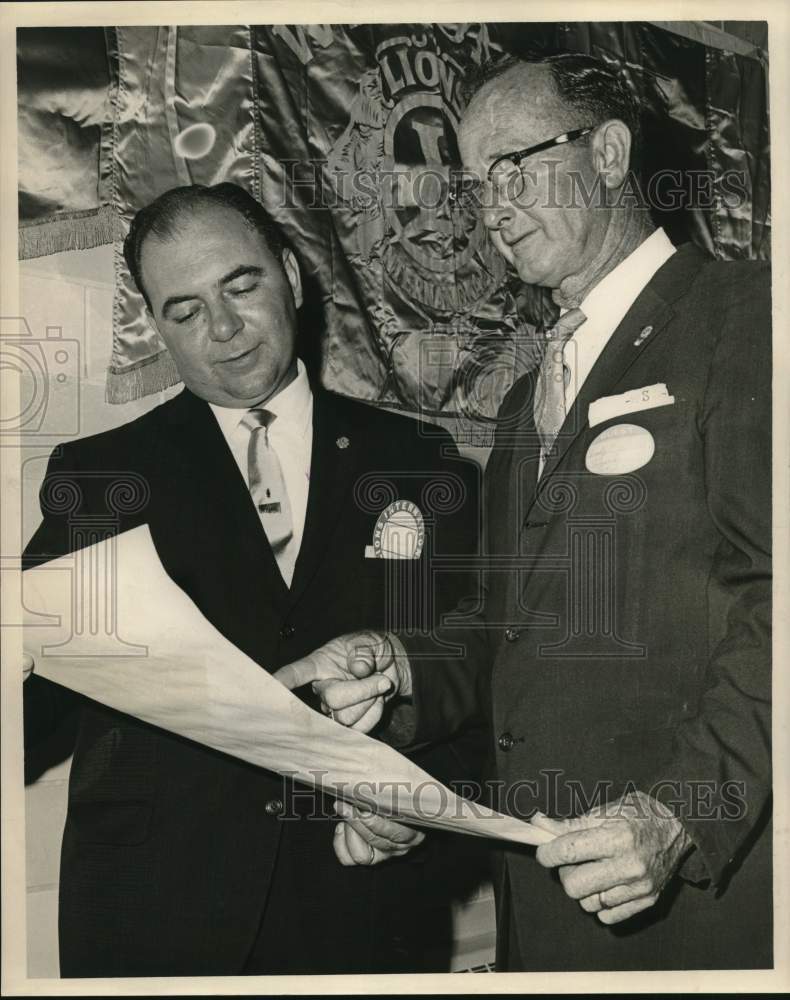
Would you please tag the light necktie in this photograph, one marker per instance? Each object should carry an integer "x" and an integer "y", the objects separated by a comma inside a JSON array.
[
  {"x": 267, "y": 485},
  {"x": 549, "y": 406}
]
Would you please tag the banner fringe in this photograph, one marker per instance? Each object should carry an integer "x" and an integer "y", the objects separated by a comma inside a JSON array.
[
  {"x": 76, "y": 231},
  {"x": 152, "y": 375}
]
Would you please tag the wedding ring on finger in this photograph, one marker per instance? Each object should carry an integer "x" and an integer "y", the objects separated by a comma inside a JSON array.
[{"x": 372, "y": 857}]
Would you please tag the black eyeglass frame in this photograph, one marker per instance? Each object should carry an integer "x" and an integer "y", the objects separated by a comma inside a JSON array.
[{"x": 521, "y": 154}]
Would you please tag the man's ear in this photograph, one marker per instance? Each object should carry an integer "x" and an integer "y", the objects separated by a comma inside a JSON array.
[
  {"x": 612, "y": 151},
  {"x": 294, "y": 275}
]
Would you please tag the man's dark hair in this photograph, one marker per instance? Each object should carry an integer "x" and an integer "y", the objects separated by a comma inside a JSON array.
[
  {"x": 161, "y": 218},
  {"x": 587, "y": 84}
]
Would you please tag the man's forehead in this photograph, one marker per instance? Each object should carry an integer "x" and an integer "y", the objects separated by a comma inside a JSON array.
[
  {"x": 207, "y": 229},
  {"x": 202, "y": 247},
  {"x": 212, "y": 217},
  {"x": 518, "y": 109}
]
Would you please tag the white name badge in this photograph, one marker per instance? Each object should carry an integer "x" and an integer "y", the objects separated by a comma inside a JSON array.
[
  {"x": 646, "y": 398},
  {"x": 619, "y": 449}
]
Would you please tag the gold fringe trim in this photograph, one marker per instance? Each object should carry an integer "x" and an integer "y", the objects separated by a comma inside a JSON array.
[
  {"x": 152, "y": 375},
  {"x": 75, "y": 231}
]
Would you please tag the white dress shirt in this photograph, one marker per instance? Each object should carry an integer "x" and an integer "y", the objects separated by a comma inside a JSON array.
[
  {"x": 291, "y": 438},
  {"x": 605, "y": 307}
]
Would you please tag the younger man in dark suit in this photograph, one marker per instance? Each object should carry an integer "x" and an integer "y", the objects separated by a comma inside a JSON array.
[{"x": 262, "y": 495}]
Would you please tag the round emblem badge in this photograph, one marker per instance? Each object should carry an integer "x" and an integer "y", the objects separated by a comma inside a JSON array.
[
  {"x": 620, "y": 449},
  {"x": 399, "y": 532}
]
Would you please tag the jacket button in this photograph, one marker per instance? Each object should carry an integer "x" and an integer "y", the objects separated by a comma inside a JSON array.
[
  {"x": 274, "y": 807},
  {"x": 287, "y": 631},
  {"x": 512, "y": 634},
  {"x": 505, "y": 742}
]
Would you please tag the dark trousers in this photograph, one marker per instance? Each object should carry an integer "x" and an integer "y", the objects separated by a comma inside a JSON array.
[
  {"x": 689, "y": 927},
  {"x": 395, "y": 917},
  {"x": 319, "y": 915}
]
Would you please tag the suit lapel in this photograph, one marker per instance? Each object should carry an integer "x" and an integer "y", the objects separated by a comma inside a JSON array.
[
  {"x": 335, "y": 457},
  {"x": 212, "y": 495},
  {"x": 515, "y": 462},
  {"x": 653, "y": 308}
]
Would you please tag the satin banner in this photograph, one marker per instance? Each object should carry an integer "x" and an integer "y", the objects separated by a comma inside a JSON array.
[{"x": 348, "y": 133}]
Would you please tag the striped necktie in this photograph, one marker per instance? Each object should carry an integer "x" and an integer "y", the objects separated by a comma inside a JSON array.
[
  {"x": 549, "y": 405},
  {"x": 267, "y": 486}
]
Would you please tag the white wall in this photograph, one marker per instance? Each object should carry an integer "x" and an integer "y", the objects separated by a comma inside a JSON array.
[{"x": 71, "y": 291}]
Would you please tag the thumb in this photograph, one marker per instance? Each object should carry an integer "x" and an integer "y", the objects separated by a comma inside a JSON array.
[
  {"x": 555, "y": 826},
  {"x": 562, "y": 826},
  {"x": 361, "y": 657}
]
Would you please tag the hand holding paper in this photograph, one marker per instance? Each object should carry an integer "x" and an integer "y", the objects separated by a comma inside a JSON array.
[
  {"x": 167, "y": 665},
  {"x": 354, "y": 675},
  {"x": 364, "y": 838},
  {"x": 618, "y": 858}
]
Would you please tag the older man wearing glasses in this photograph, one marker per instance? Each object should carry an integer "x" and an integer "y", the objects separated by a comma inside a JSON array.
[{"x": 625, "y": 618}]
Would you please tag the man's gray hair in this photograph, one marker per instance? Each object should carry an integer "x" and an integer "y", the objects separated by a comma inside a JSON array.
[{"x": 597, "y": 90}]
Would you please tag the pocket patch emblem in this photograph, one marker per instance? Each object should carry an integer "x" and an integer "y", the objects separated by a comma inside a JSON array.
[
  {"x": 619, "y": 449},
  {"x": 399, "y": 532}
]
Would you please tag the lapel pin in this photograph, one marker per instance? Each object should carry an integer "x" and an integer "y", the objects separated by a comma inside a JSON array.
[
  {"x": 643, "y": 336},
  {"x": 342, "y": 442}
]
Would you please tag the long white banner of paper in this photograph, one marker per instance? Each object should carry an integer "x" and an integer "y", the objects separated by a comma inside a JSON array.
[{"x": 108, "y": 622}]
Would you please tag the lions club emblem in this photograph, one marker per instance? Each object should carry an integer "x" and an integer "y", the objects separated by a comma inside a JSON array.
[{"x": 399, "y": 532}]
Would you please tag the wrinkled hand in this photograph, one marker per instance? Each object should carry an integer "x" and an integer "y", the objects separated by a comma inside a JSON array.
[
  {"x": 354, "y": 675},
  {"x": 363, "y": 838},
  {"x": 616, "y": 859}
]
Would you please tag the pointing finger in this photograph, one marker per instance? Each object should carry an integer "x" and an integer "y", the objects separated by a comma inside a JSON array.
[{"x": 303, "y": 671}]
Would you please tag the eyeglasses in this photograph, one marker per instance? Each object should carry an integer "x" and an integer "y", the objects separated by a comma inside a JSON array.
[{"x": 505, "y": 174}]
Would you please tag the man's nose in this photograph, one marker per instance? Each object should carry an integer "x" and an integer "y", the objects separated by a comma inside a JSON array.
[
  {"x": 496, "y": 210},
  {"x": 225, "y": 321}
]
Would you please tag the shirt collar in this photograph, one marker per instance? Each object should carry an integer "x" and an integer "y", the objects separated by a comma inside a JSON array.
[
  {"x": 293, "y": 404},
  {"x": 607, "y": 303}
]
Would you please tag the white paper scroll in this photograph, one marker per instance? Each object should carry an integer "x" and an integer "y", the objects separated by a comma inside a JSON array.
[{"x": 109, "y": 623}]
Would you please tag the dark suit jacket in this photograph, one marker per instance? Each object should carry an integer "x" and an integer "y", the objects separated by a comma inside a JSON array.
[
  {"x": 626, "y": 625},
  {"x": 170, "y": 849}
]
